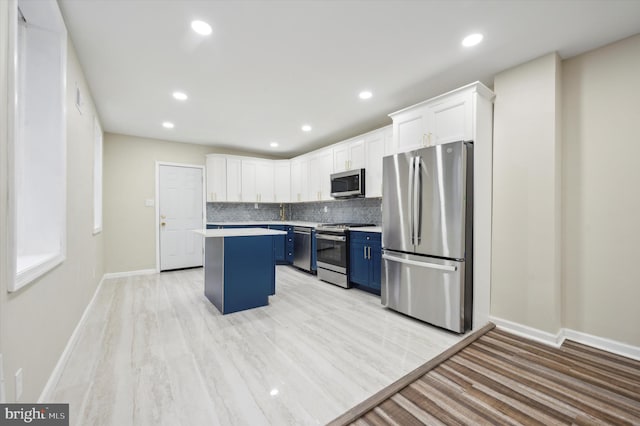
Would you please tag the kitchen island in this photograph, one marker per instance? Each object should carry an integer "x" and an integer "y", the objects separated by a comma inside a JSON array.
[{"x": 239, "y": 267}]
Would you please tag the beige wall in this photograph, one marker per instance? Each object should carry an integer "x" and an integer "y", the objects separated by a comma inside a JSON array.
[
  {"x": 601, "y": 185},
  {"x": 129, "y": 180},
  {"x": 37, "y": 321},
  {"x": 526, "y": 261}
]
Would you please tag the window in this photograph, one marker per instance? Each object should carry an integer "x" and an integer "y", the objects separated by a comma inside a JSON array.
[
  {"x": 97, "y": 176},
  {"x": 37, "y": 142}
]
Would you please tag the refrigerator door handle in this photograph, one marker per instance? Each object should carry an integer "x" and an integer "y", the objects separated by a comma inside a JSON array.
[
  {"x": 412, "y": 201},
  {"x": 418, "y": 195},
  {"x": 421, "y": 264},
  {"x": 415, "y": 198}
]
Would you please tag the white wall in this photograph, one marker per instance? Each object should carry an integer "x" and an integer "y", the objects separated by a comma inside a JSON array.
[
  {"x": 601, "y": 250},
  {"x": 589, "y": 174},
  {"x": 37, "y": 321},
  {"x": 526, "y": 251},
  {"x": 129, "y": 180}
]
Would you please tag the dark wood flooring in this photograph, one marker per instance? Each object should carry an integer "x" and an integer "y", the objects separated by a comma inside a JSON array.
[{"x": 504, "y": 379}]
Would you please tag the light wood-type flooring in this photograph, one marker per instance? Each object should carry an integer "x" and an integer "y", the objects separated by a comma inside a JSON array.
[
  {"x": 154, "y": 351},
  {"x": 502, "y": 379}
]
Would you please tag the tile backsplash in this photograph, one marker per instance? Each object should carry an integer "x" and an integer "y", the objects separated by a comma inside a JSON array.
[
  {"x": 240, "y": 212},
  {"x": 362, "y": 210}
]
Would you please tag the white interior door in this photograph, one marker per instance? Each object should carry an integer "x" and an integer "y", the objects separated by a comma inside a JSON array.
[{"x": 180, "y": 207}]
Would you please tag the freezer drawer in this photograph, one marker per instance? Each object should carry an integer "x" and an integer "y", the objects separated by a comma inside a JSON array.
[{"x": 427, "y": 288}]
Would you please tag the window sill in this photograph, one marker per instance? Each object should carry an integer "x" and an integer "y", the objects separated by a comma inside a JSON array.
[{"x": 31, "y": 267}]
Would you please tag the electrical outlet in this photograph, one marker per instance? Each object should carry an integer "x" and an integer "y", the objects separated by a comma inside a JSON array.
[
  {"x": 18, "y": 384},
  {"x": 326, "y": 209}
]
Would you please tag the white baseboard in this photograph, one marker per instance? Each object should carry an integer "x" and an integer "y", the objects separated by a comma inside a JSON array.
[
  {"x": 47, "y": 392},
  {"x": 129, "y": 273},
  {"x": 557, "y": 339},
  {"x": 528, "y": 332},
  {"x": 608, "y": 345}
]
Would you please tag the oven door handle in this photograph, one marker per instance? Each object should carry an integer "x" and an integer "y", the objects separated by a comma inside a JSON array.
[{"x": 330, "y": 237}]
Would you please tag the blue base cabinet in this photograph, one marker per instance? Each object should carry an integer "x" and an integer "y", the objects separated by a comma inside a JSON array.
[
  {"x": 288, "y": 252},
  {"x": 280, "y": 244},
  {"x": 314, "y": 252},
  {"x": 365, "y": 260}
]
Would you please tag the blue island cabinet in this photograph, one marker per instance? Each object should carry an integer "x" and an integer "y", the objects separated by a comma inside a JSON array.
[
  {"x": 239, "y": 272},
  {"x": 365, "y": 260}
]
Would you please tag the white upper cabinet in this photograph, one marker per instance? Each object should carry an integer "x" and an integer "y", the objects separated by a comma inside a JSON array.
[
  {"x": 282, "y": 181},
  {"x": 445, "y": 118},
  {"x": 216, "y": 178},
  {"x": 234, "y": 179},
  {"x": 248, "y": 173},
  {"x": 300, "y": 179},
  {"x": 320, "y": 169},
  {"x": 264, "y": 181},
  {"x": 450, "y": 119},
  {"x": 374, "y": 144},
  {"x": 257, "y": 181},
  {"x": 389, "y": 145},
  {"x": 349, "y": 155},
  {"x": 410, "y": 129}
]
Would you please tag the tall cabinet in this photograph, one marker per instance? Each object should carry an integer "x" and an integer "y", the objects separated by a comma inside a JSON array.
[{"x": 462, "y": 114}]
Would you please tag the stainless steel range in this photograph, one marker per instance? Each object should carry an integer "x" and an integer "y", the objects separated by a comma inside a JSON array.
[{"x": 332, "y": 245}]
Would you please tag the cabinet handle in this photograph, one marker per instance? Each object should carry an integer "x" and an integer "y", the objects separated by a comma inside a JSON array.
[
  {"x": 369, "y": 251},
  {"x": 364, "y": 249},
  {"x": 426, "y": 139}
]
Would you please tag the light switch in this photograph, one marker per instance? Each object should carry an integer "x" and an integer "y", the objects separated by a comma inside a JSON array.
[{"x": 149, "y": 202}]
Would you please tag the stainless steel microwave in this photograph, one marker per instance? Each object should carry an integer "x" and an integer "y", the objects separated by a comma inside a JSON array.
[{"x": 348, "y": 184}]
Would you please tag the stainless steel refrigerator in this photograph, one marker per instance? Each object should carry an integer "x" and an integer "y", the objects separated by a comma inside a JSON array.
[{"x": 427, "y": 234}]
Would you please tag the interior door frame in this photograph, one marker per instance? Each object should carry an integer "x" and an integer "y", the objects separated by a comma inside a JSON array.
[{"x": 157, "y": 201}]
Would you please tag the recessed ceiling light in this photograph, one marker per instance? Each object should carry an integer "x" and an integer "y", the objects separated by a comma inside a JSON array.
[
  {"x": 472, "y": 40},
  {"x": 365, "y": 95},
  {"x": 201, "y": 27},
  {"x": 168, "y": 125},
  {"x": 180, "y": 96},
  {"x": 306, "y": 128},
  {"x": 273, "y": 144}
]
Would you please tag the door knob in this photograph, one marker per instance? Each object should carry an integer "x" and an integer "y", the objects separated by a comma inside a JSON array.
[{"x": 163, "y": 223}]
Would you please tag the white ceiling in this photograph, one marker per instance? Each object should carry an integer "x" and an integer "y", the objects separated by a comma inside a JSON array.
[{"x": 271, "y": 66}]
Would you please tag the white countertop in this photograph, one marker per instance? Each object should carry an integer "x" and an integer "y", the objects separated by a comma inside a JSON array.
[
  {"x": 238, "y": 232},
  {"x": 264, "y": 222},
  {"x": 367, "y": 229}
]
